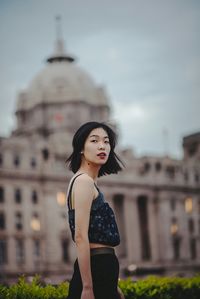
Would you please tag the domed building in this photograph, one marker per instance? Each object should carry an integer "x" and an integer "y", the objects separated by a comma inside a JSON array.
[
  {"x": 58, "y": 100},
  {"x": 156, "y": 199}
]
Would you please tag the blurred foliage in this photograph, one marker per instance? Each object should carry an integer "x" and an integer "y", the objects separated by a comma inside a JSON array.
[
  {"x": 34, "y": 290},
  {"x": 161, "y": 288},
  {"x": 149, "y": 288}
]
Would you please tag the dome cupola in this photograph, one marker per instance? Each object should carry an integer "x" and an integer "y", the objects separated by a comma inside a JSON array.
[{"x": 61, "y": 96}]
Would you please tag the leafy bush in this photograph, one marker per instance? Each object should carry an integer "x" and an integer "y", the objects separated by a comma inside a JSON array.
[
  {"x": 149, "y": 288},
  {"x": 162, "y": 288},
  {"x": 34, "y": 290}
]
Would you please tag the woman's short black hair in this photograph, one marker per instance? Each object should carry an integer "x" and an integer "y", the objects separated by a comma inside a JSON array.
[{"x": 113, "y": 164}]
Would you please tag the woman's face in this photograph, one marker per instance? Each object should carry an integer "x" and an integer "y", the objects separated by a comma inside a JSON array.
[{"x": 97, "y": 147}]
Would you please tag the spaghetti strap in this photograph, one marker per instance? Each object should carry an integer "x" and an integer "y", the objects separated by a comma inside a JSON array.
[
  {"x": 69, "y": 201},
  {"x": 96, "y": 187}
]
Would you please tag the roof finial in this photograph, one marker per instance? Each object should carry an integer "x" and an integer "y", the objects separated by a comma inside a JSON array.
[
  {"x": 58, "y": 27},
  {"x": 59, "y": 52},
  {"x": 59, "y": 46}
]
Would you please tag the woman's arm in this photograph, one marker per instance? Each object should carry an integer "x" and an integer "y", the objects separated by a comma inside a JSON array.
[{"x": 83, "y": 196}]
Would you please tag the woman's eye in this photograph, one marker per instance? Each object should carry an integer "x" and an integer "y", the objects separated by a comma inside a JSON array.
[
  {"x": 107, "y": 141},
  {"x": 93, "y": 140}
]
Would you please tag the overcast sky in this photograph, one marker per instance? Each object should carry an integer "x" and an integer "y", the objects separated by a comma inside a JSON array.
[{"x": 146, "y": 53}]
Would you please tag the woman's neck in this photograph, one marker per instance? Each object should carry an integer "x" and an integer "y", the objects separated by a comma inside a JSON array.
[{"x": 91, "y": 170}]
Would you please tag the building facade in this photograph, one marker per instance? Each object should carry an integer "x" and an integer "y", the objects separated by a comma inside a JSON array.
[{"x": 156, "y": 199}]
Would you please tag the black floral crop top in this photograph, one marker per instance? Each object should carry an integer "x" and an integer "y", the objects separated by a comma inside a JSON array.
[{"x": 102, "y": 225}]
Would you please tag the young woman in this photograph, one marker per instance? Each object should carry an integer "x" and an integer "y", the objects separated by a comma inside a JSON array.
[{"x": 91, "y": 219}]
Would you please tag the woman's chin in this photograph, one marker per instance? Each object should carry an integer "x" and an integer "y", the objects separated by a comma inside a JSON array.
[{"x": 100, "y": 163}]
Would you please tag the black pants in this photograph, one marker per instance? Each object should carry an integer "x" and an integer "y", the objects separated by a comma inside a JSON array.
[{"x": 105, "y": 273}]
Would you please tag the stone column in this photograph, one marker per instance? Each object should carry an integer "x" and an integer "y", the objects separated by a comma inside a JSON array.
[
  {"x": 132, "y": 229},
  {"x": 12, "y": 254},
  {"x": 53, "y": 245},
  {"x": 164, "y": 223},
  {"x": 183, "y": 229},
  {"x": 153, "y": 210},
  {"x": 28, "y": 244}
]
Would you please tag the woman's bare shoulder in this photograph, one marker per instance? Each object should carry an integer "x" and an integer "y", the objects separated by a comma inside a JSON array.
[
  {"x": 84, "y": 179},
  {"x": 84, "y": 189}
]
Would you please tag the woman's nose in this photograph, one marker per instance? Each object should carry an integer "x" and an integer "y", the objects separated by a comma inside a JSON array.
[{"x": 101, "y": 145}]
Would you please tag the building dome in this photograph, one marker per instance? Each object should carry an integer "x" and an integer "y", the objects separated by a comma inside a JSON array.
[
  {"x": 60, "y": 98},
  {"x": 61, "y": 80}
]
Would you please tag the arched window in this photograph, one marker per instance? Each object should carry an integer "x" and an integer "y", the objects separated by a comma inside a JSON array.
[
  {"x": 16, "y": 160},
  {"x": 170, "y": 171},
  {"x": 33, "y": 162},
  {"x": 196, "y": 177},
  {"x": 186, "y": 175},
  {"x": 191, "y": 225},
  {"x": 61, "y": 198},
  {"x": 36, "y": 248},
  {"x": 35, "y": 222},
  {"x": 3, "y": 252},
  {"x": 176, "y": 242},
  {"x": 65, "y": 253},
  {"x": 18, "y": 196},
  {"x": 147, "y": 166},
  {"x": 2, "y": 221},
  {"x": 45, "y": 154},
  {"x": 20, "y": 252},
  {"x": 158, "y": 166},
  {"x": 188, "y": 205},
  {"x": 1, "y": 159},
  {"x": 34, "y": 197},
  {"x": 18, "y": 221},
  {"x": 193, "y": 248},
  {"x": 174, "y": 227},
  {"x": 1, "y": 194}
]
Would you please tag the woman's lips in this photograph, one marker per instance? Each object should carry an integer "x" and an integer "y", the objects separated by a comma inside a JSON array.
[{"x": 102, "y": 155}]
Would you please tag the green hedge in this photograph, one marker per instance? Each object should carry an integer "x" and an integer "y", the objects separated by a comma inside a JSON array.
[
  {"x": 162, "y": 288},
  {"x": 34, "y": 290},
  {"x": 150, "y": 288}
]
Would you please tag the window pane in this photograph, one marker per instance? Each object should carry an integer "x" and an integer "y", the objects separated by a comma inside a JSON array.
[
  {"x": 193, "y": 249},
  {"x": 188, "y": 205},
  {"x": 20, "y": 254},
  {"x": 36, "y": 248},
  {"x": 18, "y": 221},
  {"x": 3, "y": 252},
  {"x": 33, "y": 162},
  {"x": 2, "y": 221},
  {"x": 191, "y": 225},
  {"x": 34, "y": 197},
  {"x": 176, "y": 243},
  {"x": 16, "y": 160},
  {"x": 65, "y": 255},
  {"x": 1, "y": 159},
  {"x": 1, "y": 194},
  {"x": 18, "y": 196},
  {"x": 35, "y": 222}
]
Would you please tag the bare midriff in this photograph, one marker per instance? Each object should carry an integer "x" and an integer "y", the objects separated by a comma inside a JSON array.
[{"x": 96, "y": 245}]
